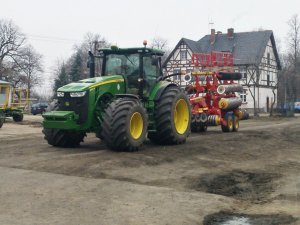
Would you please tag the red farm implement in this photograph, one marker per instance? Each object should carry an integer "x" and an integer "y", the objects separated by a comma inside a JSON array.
[{"x": 213, "y": 92}]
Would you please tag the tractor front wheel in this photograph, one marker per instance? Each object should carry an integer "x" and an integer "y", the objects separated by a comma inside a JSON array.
[
  {"x": 124, "y": 125},
  {"x": 172, "y": 117},
  {"x": 63, "y": 138}
]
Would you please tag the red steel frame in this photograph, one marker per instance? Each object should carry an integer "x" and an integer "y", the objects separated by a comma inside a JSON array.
[{"x": 205, "y": 98}]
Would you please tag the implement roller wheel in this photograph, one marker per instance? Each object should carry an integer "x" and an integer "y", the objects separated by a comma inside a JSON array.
[
  {"x": 229, "y": 123},
  {"x": 236, "y": 123}
]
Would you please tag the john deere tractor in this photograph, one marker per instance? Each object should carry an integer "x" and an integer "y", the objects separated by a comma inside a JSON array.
[{"x": 128, "y": 102}]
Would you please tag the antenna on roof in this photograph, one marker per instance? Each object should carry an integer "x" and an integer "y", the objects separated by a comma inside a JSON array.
[{"x": 211, "y": 24}]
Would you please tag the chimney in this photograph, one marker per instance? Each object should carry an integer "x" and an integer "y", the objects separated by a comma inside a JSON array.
[
  {"x": 212, "y": 36},
  {"x": 230, "y": 32}
]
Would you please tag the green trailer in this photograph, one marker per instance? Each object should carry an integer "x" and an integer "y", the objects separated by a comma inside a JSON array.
[{"x": 129, "y": 102}]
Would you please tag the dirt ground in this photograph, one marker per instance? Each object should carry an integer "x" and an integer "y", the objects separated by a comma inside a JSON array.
[{"x": 251, "y": 177}]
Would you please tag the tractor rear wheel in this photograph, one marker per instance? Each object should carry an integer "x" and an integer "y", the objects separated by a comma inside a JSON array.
[
  {"x": 172, "y": 116},
  {"x": 229, "y": 123},
  {"x": 125, "y": 125},
  {"x": 18, "y": 117},
  {"x": 63, "y": 138}
]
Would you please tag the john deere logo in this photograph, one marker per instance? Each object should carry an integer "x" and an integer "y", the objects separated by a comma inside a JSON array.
[
  {"x": 67, "y": 103},
  {"x": 118, "y": 87}
]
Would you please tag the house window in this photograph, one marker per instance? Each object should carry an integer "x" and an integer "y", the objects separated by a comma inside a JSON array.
[
  {"x": 268, "y": 58},
  {"x": 177, "y": 77},
  {"x": 243, "y": 72},
  {"x": 243, "y": 96},
  {"x": 183, "y": 55},
  {"x": 268, "y": 78}
]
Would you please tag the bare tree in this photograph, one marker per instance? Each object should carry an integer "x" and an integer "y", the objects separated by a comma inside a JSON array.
[
  {"x": 293, "y": 39},
  {"x": 161, "y": 43},
  {"x": 278, "y": 79},
  {"x": 11, "y": 40},
  {"x": 92, "y": 42},
  {"x": 252, "y": 81},
  {"x": 30, "y": 63}
]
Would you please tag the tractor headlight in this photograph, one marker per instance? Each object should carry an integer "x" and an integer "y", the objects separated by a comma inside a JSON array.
[
  {"x": 60, "y": 94},
  {"x": 77, "y": 94}
]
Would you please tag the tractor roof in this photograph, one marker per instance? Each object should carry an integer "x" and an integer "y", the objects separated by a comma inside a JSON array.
[{"x": 116, "y": 50}]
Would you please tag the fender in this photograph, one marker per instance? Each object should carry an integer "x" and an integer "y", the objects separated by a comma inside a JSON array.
[
  {"x": 162, "y": 89},
  {"x": 132, "y": 96}
]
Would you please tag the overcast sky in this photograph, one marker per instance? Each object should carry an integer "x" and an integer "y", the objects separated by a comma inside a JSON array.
[{"x": 53, "y": 27}]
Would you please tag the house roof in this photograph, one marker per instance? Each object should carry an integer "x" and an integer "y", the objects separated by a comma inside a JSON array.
[
  {"x": 193, "y": 45},
  {"x": 247, "y": 47}
]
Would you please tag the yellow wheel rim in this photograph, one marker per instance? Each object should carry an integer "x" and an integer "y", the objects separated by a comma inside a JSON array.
[
  {"x": 136, "y": 125},
  {"x": 230, "y": 123},
  {"x": 181, "y": 116},
  {"x": 236, "y": 123}
]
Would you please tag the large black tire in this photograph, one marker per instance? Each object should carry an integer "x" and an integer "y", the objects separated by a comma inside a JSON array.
[
  {"x": 172, "y": 116},
  {"x": 125, "y": 125},
  {"x": 199, "y": 123},
  {"x": 2, "y": 119},
  {"x": 194, "y": 125},
  {"x": 18, "y": 117},
  {"x": 229, "y": 123},
  {"x": 236, "y": 123},
  {"x": 203, "y": 128},
  {"x": 63, "y": 138}
]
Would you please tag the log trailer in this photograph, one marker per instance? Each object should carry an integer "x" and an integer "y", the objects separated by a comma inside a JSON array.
[{"x": 12, "y": 102}]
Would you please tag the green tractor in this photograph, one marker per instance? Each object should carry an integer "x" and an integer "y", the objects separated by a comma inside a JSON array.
[{"x": 128, "y": 102}]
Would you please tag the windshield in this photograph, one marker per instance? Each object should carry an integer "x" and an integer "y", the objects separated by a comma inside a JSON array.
[{"x": 122, "y": 64}]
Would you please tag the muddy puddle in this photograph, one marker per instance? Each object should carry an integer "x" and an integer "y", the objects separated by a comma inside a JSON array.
[
  {"x": 250, "y": 186},
  {"x": 223, "y": 218}
]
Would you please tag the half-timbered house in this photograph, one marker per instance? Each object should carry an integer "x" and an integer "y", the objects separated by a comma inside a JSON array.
[{"x": 255, "y": 56}]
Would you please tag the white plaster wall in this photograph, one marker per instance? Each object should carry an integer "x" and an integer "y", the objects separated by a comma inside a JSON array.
[{"x": 261, "y": 95}]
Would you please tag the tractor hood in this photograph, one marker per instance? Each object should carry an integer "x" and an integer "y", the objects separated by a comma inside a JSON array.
[{"x": 90, "y": 83}]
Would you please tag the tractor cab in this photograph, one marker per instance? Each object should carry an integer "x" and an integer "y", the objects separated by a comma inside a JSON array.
[{"x": 140, "y": 67}]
